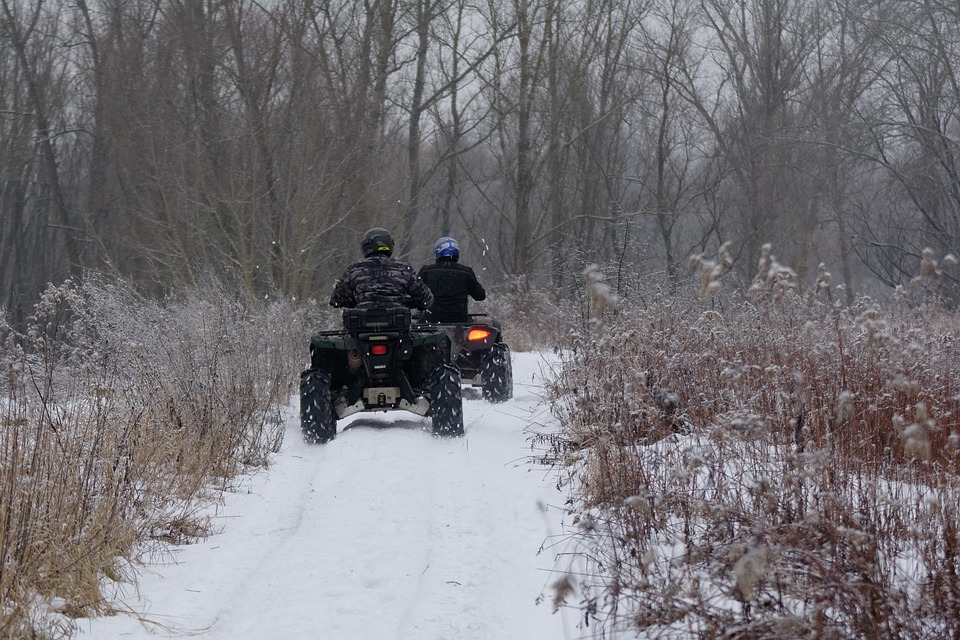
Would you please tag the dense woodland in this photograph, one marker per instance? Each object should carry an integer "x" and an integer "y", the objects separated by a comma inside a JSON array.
[{"x": 162, "y": 140}]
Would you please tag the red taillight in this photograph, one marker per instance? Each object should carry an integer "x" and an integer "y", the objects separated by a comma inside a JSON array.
[
  {"x": 478, "y": 334},
  {"x": 378, "y": 349}
]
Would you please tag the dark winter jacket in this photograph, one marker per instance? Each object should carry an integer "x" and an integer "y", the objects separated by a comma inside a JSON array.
[
  {"x": 380, "y": 281},
  {"x": 450, "y": 283}
]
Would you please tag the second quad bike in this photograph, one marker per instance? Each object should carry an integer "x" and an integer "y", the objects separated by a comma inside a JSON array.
[
  {"x": 478, "y": 350},
  {"x": 379, "y": 362}
]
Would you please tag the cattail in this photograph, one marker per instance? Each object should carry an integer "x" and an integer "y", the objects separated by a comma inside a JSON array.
[
  {"x": 916, "y": 435},
  {"x": 708, "y": 272},
  {"x": 844, "y": 406},
  {"x": 823, "y": 279},
  {"x": 772, "y": 277},
  {"x": 640, "y": 504},
  {"x": 601, "y": 296},
  {"x": 562, "y": 588},
  {"x": 748, "y": 572},
  {"x": 928, "y": 266},
  {"x": 931, "y": 503},
  {"x": 954, "y": 441},
  {"x": 723, "y": 254},
  {"x": 649, "y": 559}
]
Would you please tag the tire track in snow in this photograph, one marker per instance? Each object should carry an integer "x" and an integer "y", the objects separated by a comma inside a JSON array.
[{"x": 385, "y": 532}]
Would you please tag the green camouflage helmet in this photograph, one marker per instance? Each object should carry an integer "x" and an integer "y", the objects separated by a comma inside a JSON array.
[{"x": 377, "y": 241}]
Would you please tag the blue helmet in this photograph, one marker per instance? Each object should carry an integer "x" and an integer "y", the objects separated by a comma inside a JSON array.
[{"x": 447, "y": 248}]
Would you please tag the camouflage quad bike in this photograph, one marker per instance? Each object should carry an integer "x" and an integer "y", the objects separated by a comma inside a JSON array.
[
  {"x": 478, "y": 350},
  {"x": 378, "y": 362}
]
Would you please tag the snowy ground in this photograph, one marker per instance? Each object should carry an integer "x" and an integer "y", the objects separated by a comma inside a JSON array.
[{"x": 385, "y": 533}]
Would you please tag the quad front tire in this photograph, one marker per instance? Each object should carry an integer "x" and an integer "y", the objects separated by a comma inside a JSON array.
[
  {"x": 496, "y": 374},
  {"x": 318, "y": 421},
  {"x": 446, "y": 403}
]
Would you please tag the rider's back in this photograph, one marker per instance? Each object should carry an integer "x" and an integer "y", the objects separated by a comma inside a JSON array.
[
  {"x": 451, "y": 283},
  {"x": 377, "y": 281}
]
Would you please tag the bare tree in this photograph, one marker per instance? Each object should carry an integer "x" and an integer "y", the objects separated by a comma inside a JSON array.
[
  {"x": 844, "y": 68},
  {"x": 670, "y": 183},
  {"x": 764, "y": 48},
  {"x": 914, "y": 137},
  {"x": 439, "y": 25},
  {"x": 163, "y": 139},
  {"x": 42, "y": 231}
]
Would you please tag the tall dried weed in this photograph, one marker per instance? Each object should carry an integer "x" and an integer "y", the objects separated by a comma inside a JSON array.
[
  {"x": 120, "y": 417},
  {"x": 531, "y": 318},
  {"x": 764, "y": 466}
]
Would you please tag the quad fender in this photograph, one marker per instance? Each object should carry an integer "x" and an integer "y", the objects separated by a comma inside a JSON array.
[
  {"x": 329, "y": 353},
  {"x": 421, "y": 338}
]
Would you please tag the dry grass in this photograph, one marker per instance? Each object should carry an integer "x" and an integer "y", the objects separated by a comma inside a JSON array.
[
  {"x": 119, "y": 418},
  {"x": 766, "y": 467},
  {"x": 531, "y": 318}
]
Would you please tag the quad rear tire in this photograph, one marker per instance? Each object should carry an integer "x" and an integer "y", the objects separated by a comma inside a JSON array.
[
  {"x": 496, "y": 373},
  {"x": 318, "y": 421},
  {"x": 446, "y": 403}
]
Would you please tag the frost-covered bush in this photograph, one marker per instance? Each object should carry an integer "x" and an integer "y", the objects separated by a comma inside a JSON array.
[
  {"x": 531, "y": 318},
  {"x": 119, "y": 416},
  {"x": 765, "y": 466}
]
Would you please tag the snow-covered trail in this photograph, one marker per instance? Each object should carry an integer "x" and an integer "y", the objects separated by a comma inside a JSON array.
[{"x": 385, "y": 533}]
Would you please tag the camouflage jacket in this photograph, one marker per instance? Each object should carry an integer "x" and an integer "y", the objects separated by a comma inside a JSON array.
[{"x": 380, "y": 281}]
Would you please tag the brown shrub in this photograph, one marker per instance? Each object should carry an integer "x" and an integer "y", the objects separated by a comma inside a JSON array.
[
  {"x": 122, "y": 417},
  {"x": 769, "y": 465}
]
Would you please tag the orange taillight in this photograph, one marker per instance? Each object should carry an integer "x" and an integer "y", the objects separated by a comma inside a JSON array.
[{"x": 478, "y": 334}]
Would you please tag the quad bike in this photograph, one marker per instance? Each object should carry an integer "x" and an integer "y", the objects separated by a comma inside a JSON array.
[
  {"x": 478, "y": 350},
  {"x": 379, "y": 362}
]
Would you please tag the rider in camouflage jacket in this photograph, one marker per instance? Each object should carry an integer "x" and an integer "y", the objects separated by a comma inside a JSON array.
[{"x": 379, "y": 280}]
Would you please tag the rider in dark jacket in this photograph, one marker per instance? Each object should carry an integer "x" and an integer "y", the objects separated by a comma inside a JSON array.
[
  {"x": 451, "y": 283},
  {"x": 379, "y": 280}
]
